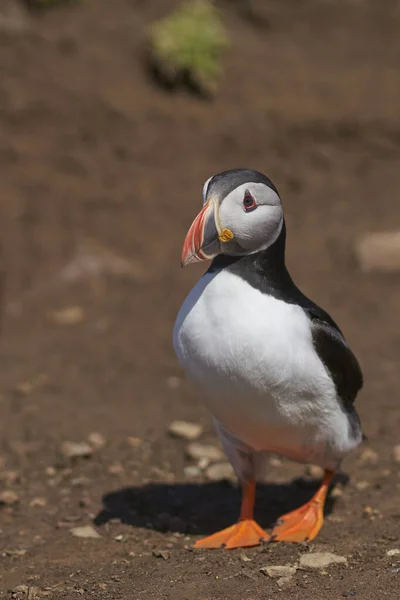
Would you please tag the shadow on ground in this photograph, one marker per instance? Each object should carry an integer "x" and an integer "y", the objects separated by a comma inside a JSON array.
[{"x": 202, "y": 508}]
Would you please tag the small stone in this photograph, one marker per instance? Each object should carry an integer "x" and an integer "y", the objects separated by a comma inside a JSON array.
[
  {"x": 9, "y": 498},
  {"x": 80, "y": 481},
  {"x": 362, "y": 485},
  {"x": 86, "y": 531},
  {"x": 51, "y": 471},
  {"x": 116, "y": 469},
  {"x": 379, "y": 252},
  {"x": 161, "y": 554},
  {"x": 321, "y": 560},
  {"x": 371, "y": 513},
  {"x": 97, "y": 440},
  {"x": 15, "y": 552},
  {"x": 394, "y": 552},
  {"x": 396, "y": 453},
  {"x": 369, "y": 456},
  {"x": 119, "y": 538},
  {"x": 314, "y": 471},
  {"x": 71, "y": 315},
  {"x": 219, "y": 471},
  {"x": 20, "y": 589},
  {"x": 274, "y": 461},
  {"x": 284, "y": 582},
  {"x": 245, "y": 558},
  {"x": 38, "y": 502},
  {"x": 337, "y": 492},
  {"x": 203, "y": 463},
  {"x": 185, "y": 430},
  {"x": 134, "y": 442},
  {"x": 199, "y": 451},
  {"x": 76, "y": 450},
  {"x": 192, "y": 471},
  {"x": 278, "y": 571}
]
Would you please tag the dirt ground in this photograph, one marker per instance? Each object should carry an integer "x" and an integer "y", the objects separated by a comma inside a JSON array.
[{"x": 101, "y": 175}]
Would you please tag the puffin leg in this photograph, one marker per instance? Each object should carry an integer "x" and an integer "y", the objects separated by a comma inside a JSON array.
[
  {"x": 246, "y": 532},
  {"x": 303, "y": 524}
]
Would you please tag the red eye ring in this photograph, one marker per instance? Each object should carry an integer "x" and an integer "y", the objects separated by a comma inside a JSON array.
[{"x": 249, "y": 202}]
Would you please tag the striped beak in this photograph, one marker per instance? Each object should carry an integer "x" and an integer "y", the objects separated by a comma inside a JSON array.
[{"x": 202, "y": 239}]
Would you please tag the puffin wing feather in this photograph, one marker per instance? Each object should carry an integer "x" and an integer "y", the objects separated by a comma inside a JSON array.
[{"x": 336, "y": 355}]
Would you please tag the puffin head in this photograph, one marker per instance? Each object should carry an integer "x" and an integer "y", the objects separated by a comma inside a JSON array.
[{"x": 242, "y": 214}]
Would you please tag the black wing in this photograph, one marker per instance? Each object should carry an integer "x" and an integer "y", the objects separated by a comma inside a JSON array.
[{"x": 335, "y": 354}]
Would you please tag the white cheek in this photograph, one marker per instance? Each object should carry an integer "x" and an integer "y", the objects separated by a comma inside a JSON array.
[{"x": 255, "y": 230}]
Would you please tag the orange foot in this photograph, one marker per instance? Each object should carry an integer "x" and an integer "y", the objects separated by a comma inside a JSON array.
[
  {"x": 300, "y": 525},
  {"x": 243, "y": 534},
  {"x": 304, "y": 523}
]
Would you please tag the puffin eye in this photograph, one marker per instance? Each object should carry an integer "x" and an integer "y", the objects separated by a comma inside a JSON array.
[{"x": 249, "y": 203}]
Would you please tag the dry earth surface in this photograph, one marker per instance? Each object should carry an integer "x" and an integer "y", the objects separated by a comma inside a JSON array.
[{"x": 101, "y": 174}]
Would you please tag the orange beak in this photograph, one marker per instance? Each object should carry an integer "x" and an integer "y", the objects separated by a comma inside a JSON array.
[{"x": 201, "y": 242}]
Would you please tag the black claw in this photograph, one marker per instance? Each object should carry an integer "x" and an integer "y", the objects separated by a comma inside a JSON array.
[{"x": 278, "y": 522}]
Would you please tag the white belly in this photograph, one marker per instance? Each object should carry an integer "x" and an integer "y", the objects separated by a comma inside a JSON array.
[{"x": 253, "y": 359}]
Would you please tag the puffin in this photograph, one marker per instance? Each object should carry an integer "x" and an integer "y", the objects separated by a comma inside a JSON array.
[{"x": 272, "y": 367}]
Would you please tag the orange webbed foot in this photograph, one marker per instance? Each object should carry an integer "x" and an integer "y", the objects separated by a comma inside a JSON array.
[
  {"x": 243, "y": 534},
  {"x": 304, "y": 523},
  {"x": 300, "y": 525}
]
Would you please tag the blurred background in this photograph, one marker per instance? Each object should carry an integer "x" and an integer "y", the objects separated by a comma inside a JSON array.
[{"x": 113, "y": 113}]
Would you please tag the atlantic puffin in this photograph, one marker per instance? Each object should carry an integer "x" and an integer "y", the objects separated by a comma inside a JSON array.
[{"x": 272, "y": 367}]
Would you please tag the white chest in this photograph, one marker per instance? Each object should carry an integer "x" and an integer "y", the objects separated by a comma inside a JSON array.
[{"x": 252, "y": 356}]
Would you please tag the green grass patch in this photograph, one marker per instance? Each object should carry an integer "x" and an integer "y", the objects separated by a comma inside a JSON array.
[{"x": 187, "y": 46}]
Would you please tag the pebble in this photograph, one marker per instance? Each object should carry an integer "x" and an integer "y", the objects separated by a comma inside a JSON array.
[
  {"x": 379, "y": 252},
  {"x": 70, "y": 315},
  {"x": 80, "y": 481},
  {"x": 274, "y": 461},
  {"x": 321, "y": 560},
  {"x": 396, "y": 453},
  {"x": 201, "y": 451},
  {"x": 116, "y": 469},
  {"x": 134, "y": 442},
  {"x": 161, "y": 554},
  {"x": 40, "y": 502},
  {"x": 9, "y": 498},
  {"x": 278, "y": 571},
  {"x": 192, "y": 471},
  {"x": 245, "y": 558},
  {"x": 86, "y": 531},
  {"x": 314, "y": 471},
  {"x": 97, "y": 440},
  {"x": 371, "y": 513},
  {"x": 337, "y": 492},
  {"x": 15, "y": 552},
  {"x": 203, "y": 463},
  {"x": 76, "y": 450},
  {"x": 185, "y": 430},
  {"x": 370, "y": 456},
  {"x": 20, "y": 589},
  {"x": 394, "y": 552},
  {"x": 362, "y": 485},
  {"x": 284, "y": 582},
  {"x": 219, "y": 471}
]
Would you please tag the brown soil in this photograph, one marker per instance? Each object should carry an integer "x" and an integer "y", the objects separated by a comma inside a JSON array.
[{"x": 97, "y": 162}]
